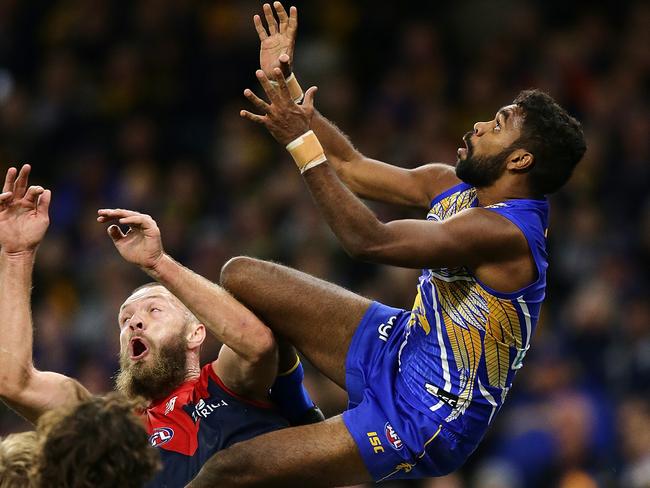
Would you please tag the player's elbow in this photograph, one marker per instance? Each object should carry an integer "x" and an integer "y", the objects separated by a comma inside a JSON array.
[
  {"x": 368, "y": 246},
  {"x": 261, "y": 346},
  {"x": 368, "y": 253}
]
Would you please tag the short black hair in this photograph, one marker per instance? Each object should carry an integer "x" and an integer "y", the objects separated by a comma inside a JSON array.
[{"x": 552, "y": 136}]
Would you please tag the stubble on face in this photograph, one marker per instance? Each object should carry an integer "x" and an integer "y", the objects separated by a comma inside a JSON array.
[{"x": 157, "y": 378}]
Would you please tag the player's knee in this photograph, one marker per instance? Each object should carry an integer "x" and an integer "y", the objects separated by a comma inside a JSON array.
[{"x": 235, "y": 272}]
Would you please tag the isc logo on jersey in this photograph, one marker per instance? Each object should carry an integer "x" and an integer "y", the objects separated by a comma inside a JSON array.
[
  {"x": 392, "y": 437},
  {"x": 160, "y": 436}
]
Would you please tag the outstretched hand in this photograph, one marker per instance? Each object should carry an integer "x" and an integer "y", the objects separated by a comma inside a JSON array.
[
  {"x": 23, "y": 212},
  {"x": 283, "y": 118},
  {"x": 278, "y": 40},
  {"x": 141, "y": 244}
]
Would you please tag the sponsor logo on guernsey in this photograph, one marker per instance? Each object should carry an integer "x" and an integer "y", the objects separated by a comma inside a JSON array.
[
  {"x": 392, "y": 437},
  {"x": 449, "y": 398},
  {"x": 170, "y": 405},
  {"x": 375, "y": 442},
  {"x": 160, "y": 436},
  {"x": 203, "y": 409},
  {"x": 384, "y": 330}
]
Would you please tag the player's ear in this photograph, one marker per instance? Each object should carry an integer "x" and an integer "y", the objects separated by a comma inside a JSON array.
[
  {"x": 520, "y": 160},
  {"x": 195, "y": 335}
]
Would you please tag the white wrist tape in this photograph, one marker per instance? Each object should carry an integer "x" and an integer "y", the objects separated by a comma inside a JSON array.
[
  {"x": 307, "y": 151},
  {"x": 295, "y": 90}
]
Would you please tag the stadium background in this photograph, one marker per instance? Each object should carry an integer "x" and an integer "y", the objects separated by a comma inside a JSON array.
[{"x": 135, "y": 104}]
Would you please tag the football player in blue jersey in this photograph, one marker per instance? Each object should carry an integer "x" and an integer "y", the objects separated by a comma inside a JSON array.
[
  {"x": 193, "y": 411},
  {"x": 423, "y": 384}
]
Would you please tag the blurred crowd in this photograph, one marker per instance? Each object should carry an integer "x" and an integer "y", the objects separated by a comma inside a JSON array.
[{"x": 134, "y": 104}]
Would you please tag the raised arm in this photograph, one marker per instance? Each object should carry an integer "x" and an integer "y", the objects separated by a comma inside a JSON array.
[
  {"x": 366, "y": 177},
  {"x": 379, "y": 181},
  {"x": 247, "y": 364},
  {"x": 23, "y": 223}
]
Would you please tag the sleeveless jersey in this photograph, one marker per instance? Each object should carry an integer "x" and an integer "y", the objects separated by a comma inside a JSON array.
[
  {"x": 464, "y": 341},
  {"x": 198, "y": 419}
]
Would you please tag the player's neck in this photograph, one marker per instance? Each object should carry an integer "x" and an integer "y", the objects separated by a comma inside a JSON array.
[
  {"x": 501, "y": 190},
  {"x": 193, "y": 370}
]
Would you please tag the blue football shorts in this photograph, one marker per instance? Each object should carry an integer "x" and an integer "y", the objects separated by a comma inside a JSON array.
[{"x": 396, "y": 440}]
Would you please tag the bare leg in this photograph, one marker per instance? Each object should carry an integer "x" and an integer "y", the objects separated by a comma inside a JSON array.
[
  {"x": 316, "y": 455},
  {"x": 317, "y": 317}
]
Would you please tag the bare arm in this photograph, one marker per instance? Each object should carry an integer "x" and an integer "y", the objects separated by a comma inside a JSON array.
[
  {"x": 23, "y": 222},
  {"x": 247, "y": 363},
  {"x": 474, "y": 237},
  {"x": 375, "y": 180}
]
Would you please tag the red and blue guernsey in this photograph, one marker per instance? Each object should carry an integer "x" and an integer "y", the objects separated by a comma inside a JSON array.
[{"x": 199, "y": 418}]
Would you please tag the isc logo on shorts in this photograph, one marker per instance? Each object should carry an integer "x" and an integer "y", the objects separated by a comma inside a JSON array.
[
  {"x": 392, "y": 437},
  {"x": 375, "y": 442},
  {"x": 160, "y": 436}
]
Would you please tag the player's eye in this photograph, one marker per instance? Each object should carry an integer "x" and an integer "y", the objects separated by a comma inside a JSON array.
[
  {"x": 125, "y": 321},
  {"x": 497, "y": 125}
]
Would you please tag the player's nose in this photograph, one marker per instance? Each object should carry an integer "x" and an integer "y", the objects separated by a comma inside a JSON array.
[
  {"x": 479, "y": 128},
  {"x": 136, "y": 323}
]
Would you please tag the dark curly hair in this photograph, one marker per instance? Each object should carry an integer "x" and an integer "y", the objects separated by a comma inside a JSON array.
[
  {"x": 98, "y": 443},
  {"x": 552, "y": 136}
]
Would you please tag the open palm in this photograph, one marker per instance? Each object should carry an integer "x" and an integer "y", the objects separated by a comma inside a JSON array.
[
  {"x": 23, "y": 212},
  {"x": 280, "y": 37}
]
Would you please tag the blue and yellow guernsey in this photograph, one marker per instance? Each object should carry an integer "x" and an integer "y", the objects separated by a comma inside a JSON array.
[{"x": 464, "y": 341}]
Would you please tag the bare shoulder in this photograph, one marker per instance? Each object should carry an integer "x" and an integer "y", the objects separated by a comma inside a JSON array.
[{"x": 436, "y": 178}]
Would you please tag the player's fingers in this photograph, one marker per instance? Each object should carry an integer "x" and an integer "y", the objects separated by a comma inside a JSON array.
[
  {"x": 139, "y": 220},
  {"x": 270, "y": 19},
  {"x": 259, "y": 27},
  {"x": 260, "y": 104},
  {"x": 292, "y": 25},
  {"x": 10, "y": 178},
  {"x": 285, "y": 64},
  {"x": 308, "y": 102},
  {"x": 32, "y": 194},
  {"x": 270, "y": 91},
  {"x": 282, "y": 15},
  {"x": 283, "y": 89},
  {"x": 43, "y": 205},
  {"x": 115, "y": 233},
  {"x": 20, "y": 185},
  {"x": 115, "y": 213},
  {"x": 251, "y": 116},
  {"x": 5, "y": 197}
]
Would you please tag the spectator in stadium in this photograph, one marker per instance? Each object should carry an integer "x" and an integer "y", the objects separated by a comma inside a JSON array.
[
  {"x": 423, "y": 385},
  {"x": 192, "y": 411}
]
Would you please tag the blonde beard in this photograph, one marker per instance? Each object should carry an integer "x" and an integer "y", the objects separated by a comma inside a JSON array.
[{"x": 154, "y": 381}]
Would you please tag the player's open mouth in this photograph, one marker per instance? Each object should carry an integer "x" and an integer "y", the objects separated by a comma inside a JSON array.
[
  {"x": 139, "y": 348},
  {"x": 463, "y": 151}
]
